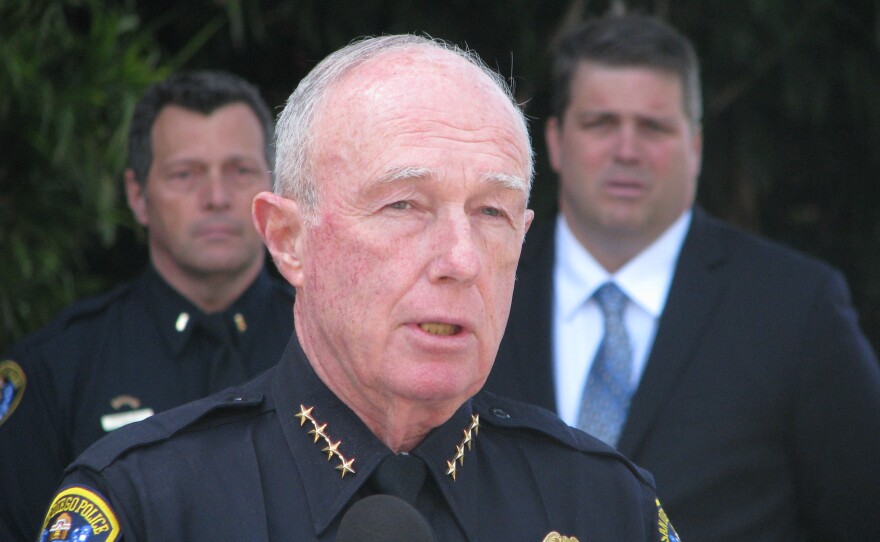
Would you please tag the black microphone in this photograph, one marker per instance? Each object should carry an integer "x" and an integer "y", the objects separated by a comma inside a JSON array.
[{"x": 383, "y": 518}]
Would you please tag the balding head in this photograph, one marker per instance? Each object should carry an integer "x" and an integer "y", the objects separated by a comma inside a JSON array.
[{"x": 299, "y": 124}]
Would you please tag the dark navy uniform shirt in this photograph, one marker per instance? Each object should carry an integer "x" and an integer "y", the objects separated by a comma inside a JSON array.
[
  {"x": 281, "y": 458},
  {"x": 107, "y": 361}
]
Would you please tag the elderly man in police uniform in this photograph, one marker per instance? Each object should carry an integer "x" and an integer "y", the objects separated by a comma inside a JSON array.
[
  {"x": 403, "y": 175},
  {"x": 205, "y": 314}
]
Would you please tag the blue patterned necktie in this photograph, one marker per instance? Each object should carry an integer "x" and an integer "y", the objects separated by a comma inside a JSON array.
[{"x": 607, "y": 393}]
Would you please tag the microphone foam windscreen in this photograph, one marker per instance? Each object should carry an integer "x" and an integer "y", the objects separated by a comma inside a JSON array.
[{"x": 383, "y": 518}]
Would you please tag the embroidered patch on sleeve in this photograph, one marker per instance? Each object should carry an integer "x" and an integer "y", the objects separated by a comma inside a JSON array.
[
  {"x": 80, "y": 514},
  {"x": 12, "y": 384},
  {"x": 667, "y": 532}
]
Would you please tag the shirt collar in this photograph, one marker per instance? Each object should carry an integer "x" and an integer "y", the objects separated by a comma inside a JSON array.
[
  {"x": 297, "y": 390},
  {"x": 176, "y": 315},
  {"x": 645, "y": 279}
]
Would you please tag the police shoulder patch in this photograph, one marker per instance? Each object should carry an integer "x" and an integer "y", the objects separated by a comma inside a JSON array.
[
  {"x": 12, "y": 384},
  {"x": 81, "y": 514},
  {"x": 667, "y": 532}
]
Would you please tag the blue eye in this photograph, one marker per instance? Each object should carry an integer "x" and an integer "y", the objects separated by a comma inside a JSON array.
[
  {"x": 492, "y": 211},
  {"x": 400, "y": 205}
]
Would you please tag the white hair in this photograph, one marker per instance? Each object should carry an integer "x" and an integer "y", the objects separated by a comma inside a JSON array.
[{"x": 295, "y": 130}]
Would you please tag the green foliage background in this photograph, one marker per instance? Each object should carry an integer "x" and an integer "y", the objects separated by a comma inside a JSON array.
[{"x": 792, "y": 121}]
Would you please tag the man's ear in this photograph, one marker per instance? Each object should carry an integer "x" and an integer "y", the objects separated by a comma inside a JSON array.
[
  {"x": 136, "y": 195},
  {"x": 553, "y": 140},
  {"x": 280, "y": 223}
]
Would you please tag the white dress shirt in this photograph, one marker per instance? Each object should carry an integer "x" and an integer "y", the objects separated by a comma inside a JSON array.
[{"x": 577, "y": 320}]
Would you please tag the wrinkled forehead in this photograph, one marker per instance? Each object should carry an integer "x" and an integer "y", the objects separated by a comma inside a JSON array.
[{"x": 421, "y": 86}]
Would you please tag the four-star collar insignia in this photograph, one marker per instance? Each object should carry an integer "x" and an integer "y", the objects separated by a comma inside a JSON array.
[
  {"x": 469, "y": 434},
  {"x": 319, "y": 431},
  {"x": 332, "y": 448}
]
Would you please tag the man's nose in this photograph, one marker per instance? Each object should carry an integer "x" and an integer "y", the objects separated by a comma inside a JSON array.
[
  {"x": 216, "y": 191},
  {"x": 628, "y": 148},
  {"x": 456, "y": 249}
]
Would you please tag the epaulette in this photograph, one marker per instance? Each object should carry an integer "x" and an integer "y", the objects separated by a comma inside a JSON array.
[
  {"x": 221, "y": 407},
  {"x": 78, "y": 310},
  {"x": 509, "y": 413}
]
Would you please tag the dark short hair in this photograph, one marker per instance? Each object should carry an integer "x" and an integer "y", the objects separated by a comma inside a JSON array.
[
  {"x": 201, "y": 91},
  {"x": 632, "y": 40}
]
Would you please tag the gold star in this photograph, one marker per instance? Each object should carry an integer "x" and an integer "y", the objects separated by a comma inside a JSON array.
[
  {"x": 318, "y": 431},
  {"x": 345, "y": 466},
  {"x": 240, "y": 322},
  {"x": 451, "y": 469},
  {"x": 475, "y": 424},
  {"x": 304, "y": 414},
  {"x": 459, "y": 454},
  {"x": 332, "y": 448},
  {"x": 467, "y": 439}
]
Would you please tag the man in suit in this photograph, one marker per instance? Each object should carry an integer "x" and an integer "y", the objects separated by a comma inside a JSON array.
[{"x": 747, "y": 389}]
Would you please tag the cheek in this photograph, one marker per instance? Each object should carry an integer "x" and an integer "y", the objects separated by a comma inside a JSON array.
[
  {"x": 168, "y": 214},
  {"x": 500, "y": 279},
  {"x": 356, "y": 271},
  {"x": 584, "y": 152},
  {"x": 670, "y": 160}
]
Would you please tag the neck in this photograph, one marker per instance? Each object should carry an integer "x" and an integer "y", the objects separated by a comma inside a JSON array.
[
  {"x": 401, "y": 423},
  {"x": 612, "y": 253},
  {"x": 210, "y": 292}
]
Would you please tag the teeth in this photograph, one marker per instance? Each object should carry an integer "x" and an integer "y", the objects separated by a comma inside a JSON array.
[{"x": 439, "y": 329}]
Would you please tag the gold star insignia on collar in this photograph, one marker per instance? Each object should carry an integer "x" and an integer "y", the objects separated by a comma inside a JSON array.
[
  {"x": 556, "y": 537},
  {"x": 318, "y": 431},
  {"x": 450, "y": 469},
  {"x": 304, "y": 414},
  {"x": 469, "y": 434},
  {"x": 332, "y": 448},
  {"x": 240, "y": 322},
  {"x": 345, "y": 466}
]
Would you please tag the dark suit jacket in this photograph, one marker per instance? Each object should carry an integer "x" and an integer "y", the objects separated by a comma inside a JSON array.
[{"x": 759, "y": 408}]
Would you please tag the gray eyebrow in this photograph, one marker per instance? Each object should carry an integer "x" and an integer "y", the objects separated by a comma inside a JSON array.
[
  {"x": 400, "y": 173},
  {"x": 506, "y": 180}
]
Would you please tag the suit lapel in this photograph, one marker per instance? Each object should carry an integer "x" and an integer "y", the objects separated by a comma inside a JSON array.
[{"x": 696, "y": 289}]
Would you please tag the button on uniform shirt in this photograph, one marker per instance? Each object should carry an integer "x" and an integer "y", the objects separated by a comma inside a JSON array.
[
  {"x": 114, "y": 359},
  {"x": 281, "y": 458},
  {"x": 577, "y": 319}
]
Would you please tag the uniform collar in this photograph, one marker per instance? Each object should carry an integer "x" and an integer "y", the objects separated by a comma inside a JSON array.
[
  {"x": 328, "y": 492},
  {"x": 176, "y": 315}
]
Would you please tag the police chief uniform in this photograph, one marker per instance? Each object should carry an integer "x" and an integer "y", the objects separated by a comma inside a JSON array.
[
  {"x": 117, "y": 358},
  {"x": 282, "y": 458}
]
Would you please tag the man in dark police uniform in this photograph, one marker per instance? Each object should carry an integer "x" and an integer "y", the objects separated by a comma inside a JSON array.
[
  {"x": 403, "y": 176},
  {"x": 205, "y": 314}
]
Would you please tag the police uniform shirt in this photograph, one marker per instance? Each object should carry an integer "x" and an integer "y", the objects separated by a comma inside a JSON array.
[
  {"x": 117, "y": 358},
  {"x": 281, "y": 458}
]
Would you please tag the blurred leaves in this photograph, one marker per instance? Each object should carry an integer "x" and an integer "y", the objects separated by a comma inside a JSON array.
[
  {"x": 72, "y": 72},
  {"x": 792, "y": 120}
]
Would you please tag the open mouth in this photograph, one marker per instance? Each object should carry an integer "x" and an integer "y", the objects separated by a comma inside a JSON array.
[{"x": 435, "y": 328}]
